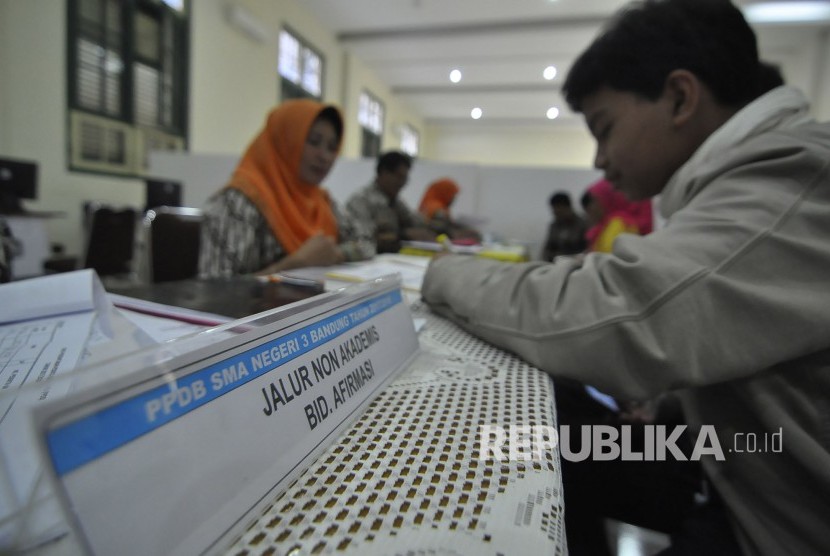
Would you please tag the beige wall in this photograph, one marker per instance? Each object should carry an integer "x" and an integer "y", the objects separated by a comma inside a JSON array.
[
  {"x": 5, "y": 68},
  {"x": 569, "y": 146},
  {"x": 33, "y": 110},
  {"x": 233, "y": 83},
  {"x": 359, "y": 78},
  {"x": 821, "y": 76},
  {"x": 229, "y": 69}
]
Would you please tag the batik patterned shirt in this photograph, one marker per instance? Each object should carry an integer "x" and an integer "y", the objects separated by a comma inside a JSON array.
[
  {"x": 236, "y": 238},
  {"x": 374, "y": 209}
]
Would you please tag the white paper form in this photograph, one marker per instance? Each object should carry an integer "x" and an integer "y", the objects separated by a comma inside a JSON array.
[
  {"x": 412, "y": 275},
  {"x": 48, "y": 296},
  {"x": 44, "y": 327},
  {"x": 411, "y": 269},
  {"x": 31, "y": 352}
]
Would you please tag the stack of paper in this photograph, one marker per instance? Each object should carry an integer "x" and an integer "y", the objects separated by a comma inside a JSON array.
[
  {"x": 44, "y": 329},
  {"x": 410, "y": 269}
]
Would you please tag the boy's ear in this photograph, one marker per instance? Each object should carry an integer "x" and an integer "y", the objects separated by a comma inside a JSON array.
[{"x": 682, "y": 90}]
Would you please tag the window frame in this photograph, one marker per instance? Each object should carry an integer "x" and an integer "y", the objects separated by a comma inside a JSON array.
[
  {"x": 173, "y": 50},
  {"x": 288, "y": 88},
  {"x": 371, "y": 139},
  {"x": 409, "y": 130}
]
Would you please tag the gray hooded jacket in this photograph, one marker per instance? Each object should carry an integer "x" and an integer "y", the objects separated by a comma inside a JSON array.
[{"x": 728, "y": 304}]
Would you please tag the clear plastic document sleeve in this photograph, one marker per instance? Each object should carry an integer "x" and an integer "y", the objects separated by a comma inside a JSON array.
[{"x": 191, "y": 438}]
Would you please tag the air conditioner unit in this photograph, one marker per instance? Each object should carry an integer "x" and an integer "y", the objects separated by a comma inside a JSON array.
[{"x": 101, "y": 144}]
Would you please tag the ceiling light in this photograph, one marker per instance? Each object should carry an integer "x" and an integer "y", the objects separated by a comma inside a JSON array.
[
  {"x": 549, "y": 73},
  {"x": 553, "y": 113},
  {"x": 475, "y": 113},
  {"x": 787, "y": 12},
  {"x": 455, "y": 76}
]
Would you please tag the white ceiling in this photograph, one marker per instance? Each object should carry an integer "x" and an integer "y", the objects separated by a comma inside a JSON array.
[{"x": 501, "y": 47}]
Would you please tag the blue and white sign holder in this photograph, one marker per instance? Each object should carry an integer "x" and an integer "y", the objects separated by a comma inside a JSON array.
[{"x": 178, "y": 454}]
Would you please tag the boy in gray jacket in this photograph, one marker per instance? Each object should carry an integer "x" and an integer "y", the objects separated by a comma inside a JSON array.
[{"x": 728, "y": 305}]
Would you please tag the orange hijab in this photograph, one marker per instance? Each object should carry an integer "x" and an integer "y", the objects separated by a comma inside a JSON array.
[
  {"x": 438, "y": 197},
  {"x": 269, "y": 175}
]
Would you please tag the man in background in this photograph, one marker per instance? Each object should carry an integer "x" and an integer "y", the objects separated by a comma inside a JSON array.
[
  {"x": 566, "y": 233},
  {"x": 380, "y": 208}
]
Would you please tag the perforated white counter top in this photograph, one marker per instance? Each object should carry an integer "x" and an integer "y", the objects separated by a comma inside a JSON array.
[{"x": 406, "y": 477}]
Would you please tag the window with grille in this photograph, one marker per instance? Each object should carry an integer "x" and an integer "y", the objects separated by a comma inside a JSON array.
[
  {"x": 410, "y": 140},
  {"x": 127, "y": 71},
  {"x": 370, "y": 113},
  {"x": 300, "y": 67}
]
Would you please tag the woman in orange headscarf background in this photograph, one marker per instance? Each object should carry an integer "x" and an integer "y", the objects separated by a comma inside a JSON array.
[
  {"x": 435, "y": 208},
  {"x": 273, "y": 215}
]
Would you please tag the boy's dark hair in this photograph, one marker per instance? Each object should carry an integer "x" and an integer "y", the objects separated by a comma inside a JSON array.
[
  {"x": 392, "y": 160},
  {"x": 649, "y": 39},
  {"x": 560, "y": 198},
  {"x": 769, "y": 77}
]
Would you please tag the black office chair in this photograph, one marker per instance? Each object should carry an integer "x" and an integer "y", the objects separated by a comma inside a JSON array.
[
  {"x": 7, "y": 250},
  {"x": 172, "y": 243},
  {"x": 110, "y": 239}
]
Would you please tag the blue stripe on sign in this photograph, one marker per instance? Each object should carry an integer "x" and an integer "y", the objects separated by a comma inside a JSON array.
[{"x": 77, "y": 443}]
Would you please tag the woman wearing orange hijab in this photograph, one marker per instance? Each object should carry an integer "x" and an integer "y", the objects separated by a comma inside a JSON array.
[
  {"x": 273, "y": 215},
  {"x": 437, "y": 199},
  {"x": 435, "y": 208}
]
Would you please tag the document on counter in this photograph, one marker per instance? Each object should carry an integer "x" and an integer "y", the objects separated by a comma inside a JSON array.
[
  {"x": 165, "y": 322},
  {"x": 412, "y": 275},
  {"x": 49, "y": 296},
  {"x": 437, "y": 247},
  {"x": 44, "y": 328}
]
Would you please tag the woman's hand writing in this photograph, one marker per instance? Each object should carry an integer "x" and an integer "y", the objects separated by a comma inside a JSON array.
[{"x": 318, "y": 250}]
